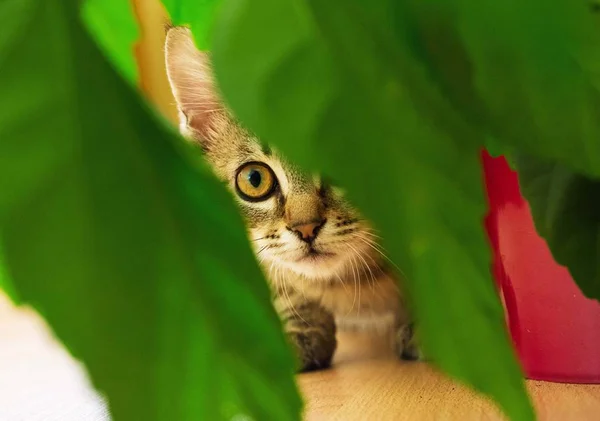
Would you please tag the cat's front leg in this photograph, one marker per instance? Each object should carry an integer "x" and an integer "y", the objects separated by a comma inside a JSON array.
[
  {"x": 407, "y": 346},
  {"x": 310, "y": 329}
]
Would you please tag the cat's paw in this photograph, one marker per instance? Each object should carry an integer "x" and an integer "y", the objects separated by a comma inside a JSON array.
[
  {"x": 407, "y": 347},
  {"x": 314, "y": 348},
  {"x": 312, "y": 334}
]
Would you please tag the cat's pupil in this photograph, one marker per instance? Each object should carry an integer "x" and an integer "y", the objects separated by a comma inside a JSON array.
[{"x": 254, "y": 178}]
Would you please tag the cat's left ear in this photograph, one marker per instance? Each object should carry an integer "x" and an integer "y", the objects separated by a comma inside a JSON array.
[{"x": 201, "y": 113}]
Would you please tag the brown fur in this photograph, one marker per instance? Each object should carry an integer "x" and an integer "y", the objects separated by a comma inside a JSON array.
[{"x": 347, "y": 285}]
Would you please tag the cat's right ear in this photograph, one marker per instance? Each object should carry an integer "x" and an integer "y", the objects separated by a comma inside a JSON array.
[{"x": 201, "y": 113}]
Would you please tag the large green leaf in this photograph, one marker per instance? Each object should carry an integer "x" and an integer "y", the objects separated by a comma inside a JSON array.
[
  {"x": 566, "y": 211},
  {"x": 526, "y": 72},
  {"x": 129, "y": 247},
  {"x": 115, "y": 29},
  {"x": 6, "y": 285},
  {"x": 334, "y": 84}
]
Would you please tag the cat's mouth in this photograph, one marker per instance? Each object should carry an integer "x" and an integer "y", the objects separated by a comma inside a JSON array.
[
  {"x": 313, "y": 255},
  {"x": 316, "y": 263}
]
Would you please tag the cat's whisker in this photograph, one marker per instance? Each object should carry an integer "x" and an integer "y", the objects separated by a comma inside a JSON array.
[
  {"x": 365, "y": 265},
  {"x": 374, "y": 245},
  {"x": 303, "y": 287},
  {"x": 367, "y": 236},
  {"x": 292, "y": 307},
  {"x": 355, "y": 291},
  {"x": 271, "y": 275},
  {"x": 356, "y": 286},
  {"x": 353, "y": 297},
  {"x": 263, "y": 248},
  {"x": 371, "y": 243},
  {"x": 375, "y": 248},
  {"x": 375, "y": 265},
  {"x": 261, "y": 257},
  {"x": 342, "y": 282},
  {"x": 381, "y": 253},
  {"x": 372, "y": 234},
  {"x": 357, "y": 280}
]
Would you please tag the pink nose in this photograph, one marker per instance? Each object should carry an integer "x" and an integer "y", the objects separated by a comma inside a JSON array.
[{"x": 308, "y": 232}]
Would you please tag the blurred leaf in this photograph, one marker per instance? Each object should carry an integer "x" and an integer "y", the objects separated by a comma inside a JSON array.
[
  {"x": 335, "y": 86},
  {"x": 113, "y": 25},
  {"x": 198, "y": 14},
  {"x": 526, "y": 72},
  {"x": 566, "y": 210},
  {"x": 6, "y": 285},
  {"x": 135, "y": 256},
  {"x": 494, "y": 147}
]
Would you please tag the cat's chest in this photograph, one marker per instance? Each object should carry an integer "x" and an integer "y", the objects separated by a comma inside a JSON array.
[
  {"x": 368, "y": 306},
  {"x": 380, "y": 323}
]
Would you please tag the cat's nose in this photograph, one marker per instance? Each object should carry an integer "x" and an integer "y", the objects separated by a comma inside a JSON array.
[{"x": 307, "y": 232}]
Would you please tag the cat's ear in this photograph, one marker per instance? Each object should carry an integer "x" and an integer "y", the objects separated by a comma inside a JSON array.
[{"x": 201, "y": 113}]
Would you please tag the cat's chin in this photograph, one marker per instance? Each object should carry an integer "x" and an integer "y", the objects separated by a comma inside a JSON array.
[{"x": 316, "y": 266}]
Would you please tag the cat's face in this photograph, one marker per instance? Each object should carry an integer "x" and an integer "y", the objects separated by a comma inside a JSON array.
[{"x": 296, "y": 221}]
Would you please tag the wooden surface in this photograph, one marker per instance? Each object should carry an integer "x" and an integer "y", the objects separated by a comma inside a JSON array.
[{"x": 368, "y": 383}]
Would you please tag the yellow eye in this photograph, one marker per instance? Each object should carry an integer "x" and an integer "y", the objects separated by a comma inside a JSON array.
[{"x": 255, "y": 181}]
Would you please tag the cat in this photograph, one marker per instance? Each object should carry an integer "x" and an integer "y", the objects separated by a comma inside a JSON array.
[{"x": 321, "y": 258}]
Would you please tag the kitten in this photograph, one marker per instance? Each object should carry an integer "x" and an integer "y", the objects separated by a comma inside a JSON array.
[{"x": 320, "y": 257}]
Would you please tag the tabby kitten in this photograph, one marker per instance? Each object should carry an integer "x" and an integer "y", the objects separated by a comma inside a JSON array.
[{"x": 320, "y": 257}]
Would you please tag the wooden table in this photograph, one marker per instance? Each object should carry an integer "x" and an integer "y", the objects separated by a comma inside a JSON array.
[{"x": 368, "y": 383}]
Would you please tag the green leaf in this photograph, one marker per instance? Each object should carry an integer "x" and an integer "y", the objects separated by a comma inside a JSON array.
[
  {"x": 526, "y": 72},
  {"x": 115, "y": 29},
  {"x": 494, "y": 147},
  {"x": 566, "y": 210},
  {"x": 198, "y": 14},
  {"x": 130, "y": 248},
  {"x": 6, "y": 285},
  {"x": 335, "y": 85}
]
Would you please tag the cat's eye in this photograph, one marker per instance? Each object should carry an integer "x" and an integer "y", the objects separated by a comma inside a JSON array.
[{"x": 255, "y": 181}]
